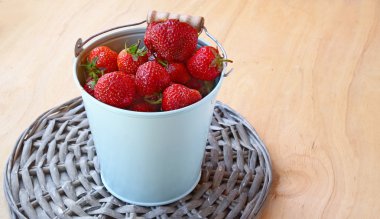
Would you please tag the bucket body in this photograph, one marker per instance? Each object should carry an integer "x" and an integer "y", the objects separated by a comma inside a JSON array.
[{"x": 146, "y": 158}]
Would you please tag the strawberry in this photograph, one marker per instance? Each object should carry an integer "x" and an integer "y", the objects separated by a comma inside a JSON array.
[
  {"x": 143, "y": 106},
  {"x": 204, "y": 87},
  {"x": 177, "y": 71},
  {"x": 151, "y": 78},
  {"x": 89, "y": 86},
  {"x": 149, "y": 35},
  {"x": 129, "y": 59},
  {"x": 206, "y": 64},
  {"x": 104, "y": 57},
  {"x": 172, "y": 40},
  {"x": 194, "y": 83},
  {"x": 177, "y": 96},
  {"x": 116, "y": 89}
]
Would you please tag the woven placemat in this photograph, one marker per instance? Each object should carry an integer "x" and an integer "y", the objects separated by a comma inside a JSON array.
[{"x": 53, "y": 172}]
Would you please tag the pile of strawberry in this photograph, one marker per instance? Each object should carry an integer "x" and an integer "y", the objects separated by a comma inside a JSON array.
[{"x": 170, "y": 74}]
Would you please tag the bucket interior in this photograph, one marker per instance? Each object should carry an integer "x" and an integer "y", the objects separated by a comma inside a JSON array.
[{"x": 116, "y": 41}]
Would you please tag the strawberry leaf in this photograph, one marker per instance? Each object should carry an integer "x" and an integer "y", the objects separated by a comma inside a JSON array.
[
  {"x": 133, "y": 48},
  {"x": 92, "y": 70},
  {"x": 135, "y": 57},
  {"x": 91, "y": 84},
  {"x": 142, "y": 52},
  {"x": 135, "y": 51}
]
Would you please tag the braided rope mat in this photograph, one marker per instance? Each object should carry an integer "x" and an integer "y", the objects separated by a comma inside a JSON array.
[{"x": 53, "y": 172}]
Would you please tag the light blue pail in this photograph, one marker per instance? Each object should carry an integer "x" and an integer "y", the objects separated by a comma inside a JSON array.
[{"x": 146, "y": 158}]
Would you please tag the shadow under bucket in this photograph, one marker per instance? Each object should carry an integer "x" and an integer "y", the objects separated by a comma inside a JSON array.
[{"x": 150, "y": 158}]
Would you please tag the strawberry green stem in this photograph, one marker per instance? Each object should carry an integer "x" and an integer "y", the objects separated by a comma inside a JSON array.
[
  {"x": 226, "y": 60},
  {"x": 163, "y": 63},
  {"x": 138, "y": 43},
  {"x": 154, "y": 99}
]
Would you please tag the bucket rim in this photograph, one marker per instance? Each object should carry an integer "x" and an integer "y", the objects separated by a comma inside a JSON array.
[{"x": 119, "y": 33}]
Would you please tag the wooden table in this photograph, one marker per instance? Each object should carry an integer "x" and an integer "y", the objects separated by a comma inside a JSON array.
[{"x": 306, "y": 75}]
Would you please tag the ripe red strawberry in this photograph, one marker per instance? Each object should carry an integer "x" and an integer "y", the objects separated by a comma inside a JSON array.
[
  {"x": 204, "y": 87},
  {"x": 206, "y": 64},
  {"x": 89, "y": 86},
  {"x": 177, "y": 96},
  {"x": 194, "y": 83},
  {"x": 151, "y": 78},
  {"x": 129, "y": 59},
  {"x": 172, "y": 40},
  {"x": 104, "y": 57},
  {"x": 149, "y": 35},
  {"x": 116, "y": 89},
  {"x": 178, "y": 72},
  {"x": 143, "y": 106}
]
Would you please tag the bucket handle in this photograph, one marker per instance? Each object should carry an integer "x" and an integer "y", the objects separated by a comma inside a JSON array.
[
  {"x": 80, "y": 43},
  {"x": 221, "y": 49}
]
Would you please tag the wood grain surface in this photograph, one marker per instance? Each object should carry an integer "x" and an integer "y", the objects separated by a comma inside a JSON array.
[{"x": 306, "y": 75}]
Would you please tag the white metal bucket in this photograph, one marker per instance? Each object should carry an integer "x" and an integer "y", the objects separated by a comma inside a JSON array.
[{"x": 146, "y": 158}]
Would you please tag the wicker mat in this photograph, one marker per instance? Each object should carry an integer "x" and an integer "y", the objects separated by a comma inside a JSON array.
[{"x": 53, "y": 172}]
